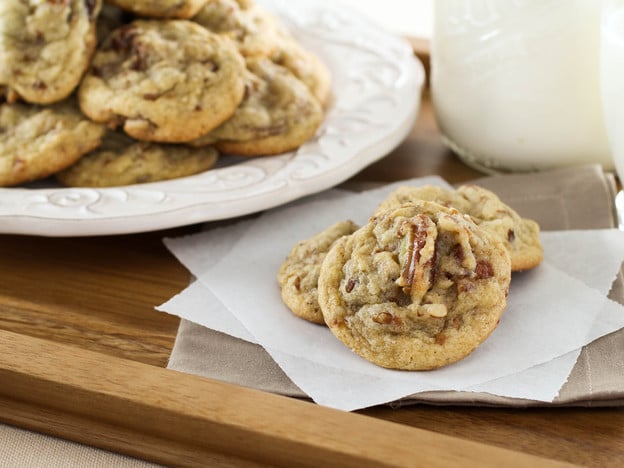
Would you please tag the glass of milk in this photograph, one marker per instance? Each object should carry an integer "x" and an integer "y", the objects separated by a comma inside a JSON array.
[
  {"x": 516, "y": 84},
  {"x": 612, "y": 85}
]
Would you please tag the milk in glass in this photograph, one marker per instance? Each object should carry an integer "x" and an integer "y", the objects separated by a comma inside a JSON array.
[{"x": 515, "y": 83}]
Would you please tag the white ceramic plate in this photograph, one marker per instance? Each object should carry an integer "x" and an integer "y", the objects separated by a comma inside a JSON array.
[{"x": 376, "y": 86}]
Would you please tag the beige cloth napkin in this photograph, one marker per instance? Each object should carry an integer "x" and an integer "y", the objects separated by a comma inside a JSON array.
[
  {"x": 575, "y": 198},
  {"x": 20, "y": 448}
]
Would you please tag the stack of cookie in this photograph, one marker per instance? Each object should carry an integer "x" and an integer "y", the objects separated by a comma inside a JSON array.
[
  {"x": 422, "y": 284},
  {"x": 135, "y": 91}
]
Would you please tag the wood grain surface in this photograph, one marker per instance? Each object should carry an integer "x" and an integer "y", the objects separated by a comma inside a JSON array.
[
  {"x": 183, "y": 419},
  {"x": 70, "y": 307},
  {"x": 96, "y": 293}
]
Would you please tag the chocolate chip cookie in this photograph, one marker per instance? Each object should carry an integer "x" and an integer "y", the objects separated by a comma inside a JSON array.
[
  {"x": 298, "y": 275},
  {"x": 45, "y": 47},
  {"x": 163, "y": 80},
  {"x": 418, "y": 287},
  {"x": 123, "y": 161},
  {"x": 278, "y": 114},
  {"x": 520, "y": 235},
  {"x": 37, "y": 141}
]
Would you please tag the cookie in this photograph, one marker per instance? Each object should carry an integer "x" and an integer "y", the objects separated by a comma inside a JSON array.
[
  {"x": 278, "y": 114},
  {"x": 122, "y": 161},
  {"x": 45, "y": 47},
  {"x": 298, "y": 275},
  {"x": 180, "y": 9},
  {"x": 418, "y": 287},
  {"x": 36, "y": 141},
  {"x": 306, "y": 66},
  {"x": 252, "y": 29},
  {"x": 520, "y": 235},
  {"x": 163, "y": 80}
]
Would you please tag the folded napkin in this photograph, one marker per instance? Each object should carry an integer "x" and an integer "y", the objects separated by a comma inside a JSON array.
[{"x": 579, "y": 198}]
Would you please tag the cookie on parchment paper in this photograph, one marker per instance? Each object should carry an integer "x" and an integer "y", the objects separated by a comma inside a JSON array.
[
  {"x": 418, "y": 287},
  {"x": 298, "y": 275},
  {"x": 520, "y": 235}
]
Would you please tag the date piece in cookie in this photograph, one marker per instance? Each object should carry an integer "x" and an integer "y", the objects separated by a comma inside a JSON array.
[
  {"x": 254, "y": 30},
  {"x": 417, "y": 288},
  {"x": 36, "y": 141},
  {"x": 45, "y": 47},
  {"x": 520, "y": 235},
  {"x": 123, "y": 161},
  {"x": 168, "y": 81},
  {"x": 180, "y": 9},
  {"x": 278, "y": 114},
  {"x": 298, "y": 275}
]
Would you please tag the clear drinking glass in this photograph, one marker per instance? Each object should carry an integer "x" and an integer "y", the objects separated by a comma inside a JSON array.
[
  {"x": 515, "y": 83},
  {"x": 612, "y": 87}
]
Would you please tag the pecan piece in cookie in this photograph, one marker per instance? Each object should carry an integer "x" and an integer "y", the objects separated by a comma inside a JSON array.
[
  {"x": 396, "y": 291},
  {"x": 520, "y": 235},
  {"x": 417, "y": 255}
]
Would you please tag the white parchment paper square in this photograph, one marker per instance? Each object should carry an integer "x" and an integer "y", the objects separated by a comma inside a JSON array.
[{"x": 550, "y": 313}]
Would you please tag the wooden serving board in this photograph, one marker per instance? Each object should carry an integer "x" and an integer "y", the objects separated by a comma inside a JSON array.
[{"x": 180, "y": 419}]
